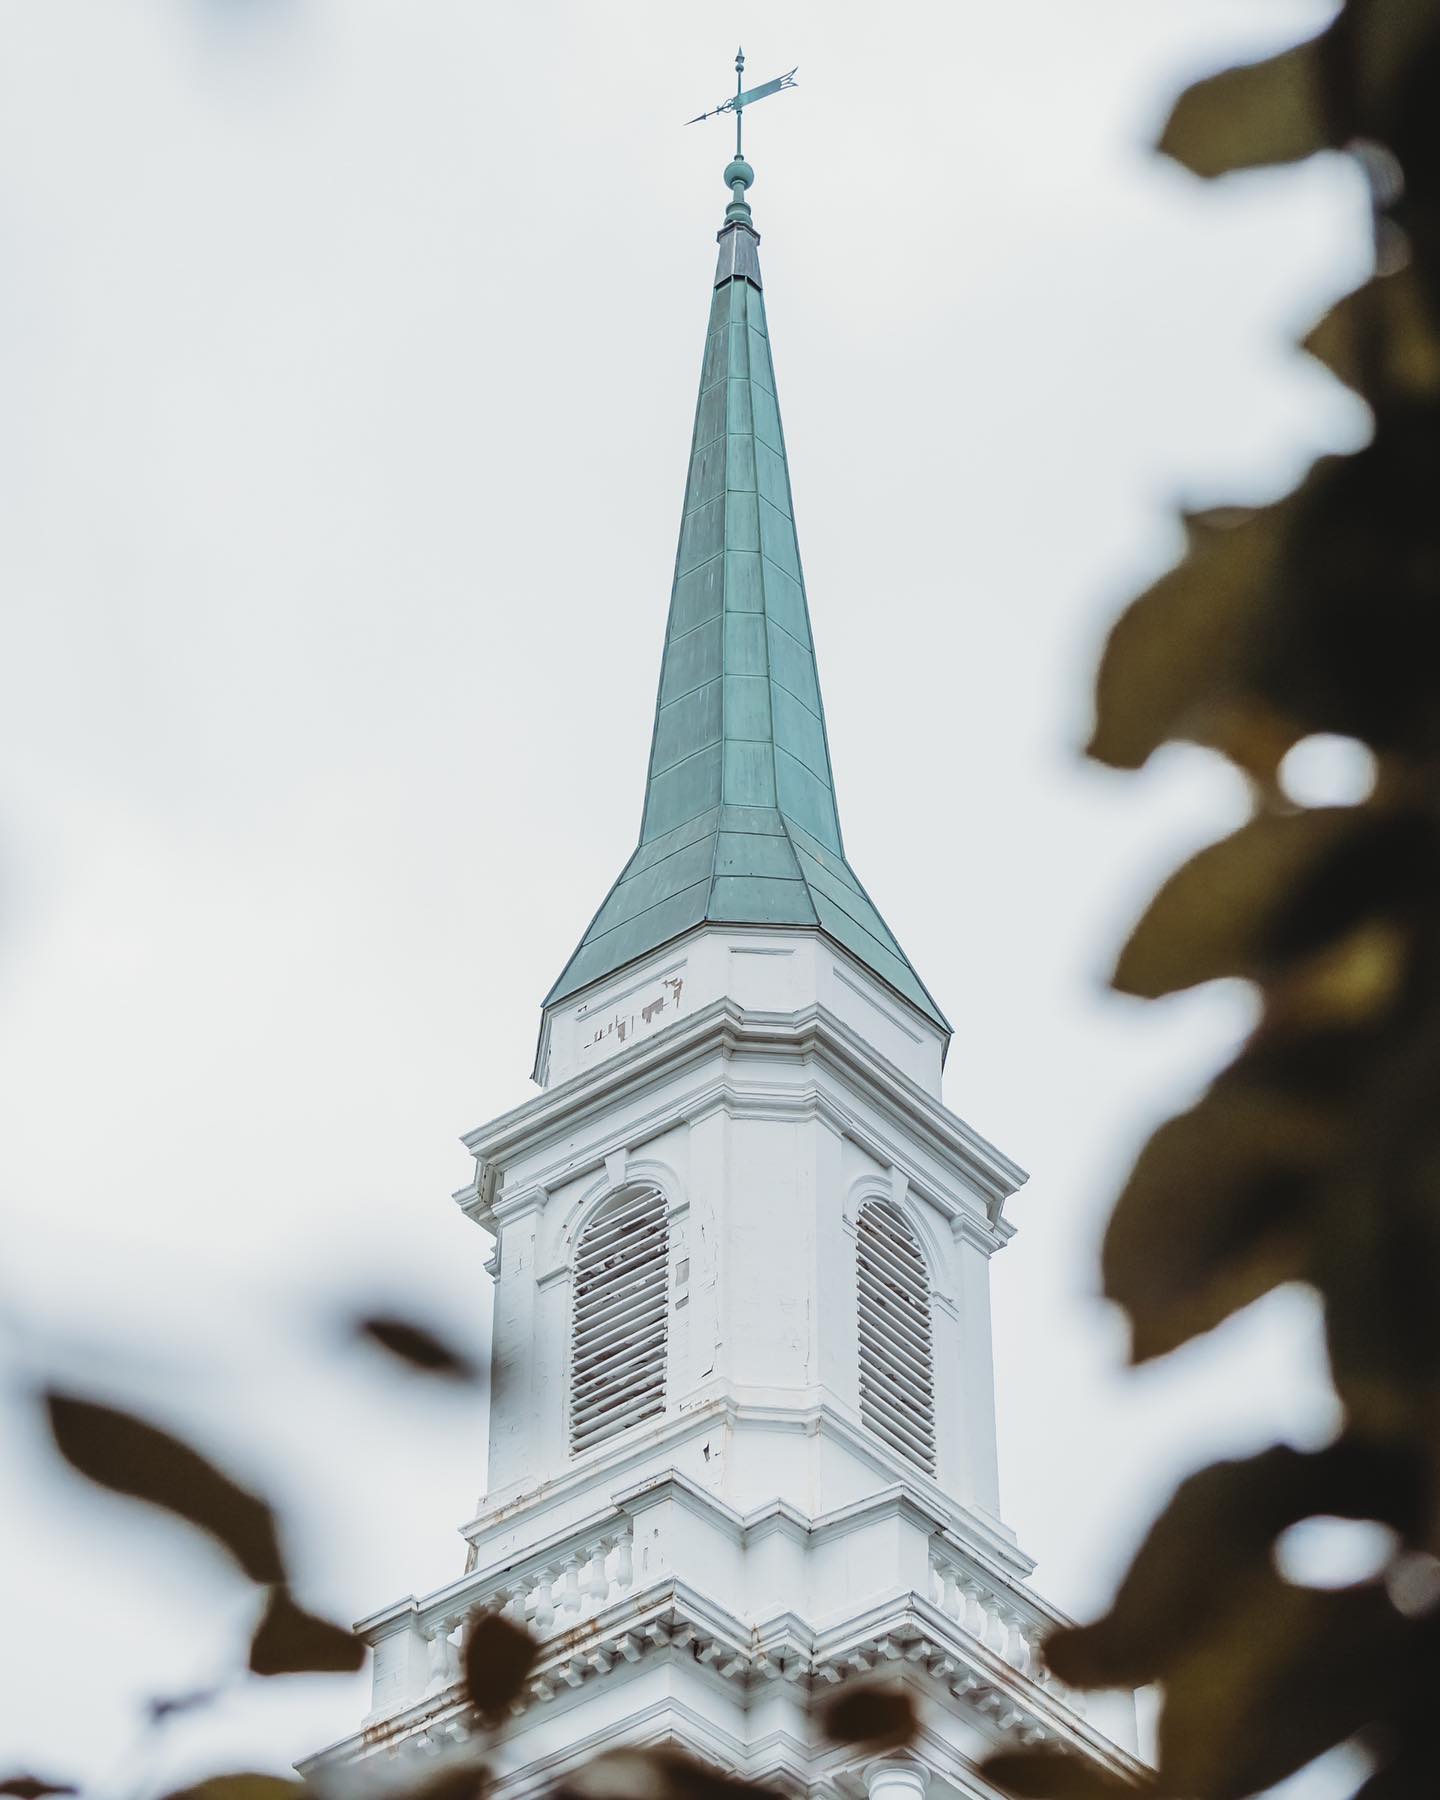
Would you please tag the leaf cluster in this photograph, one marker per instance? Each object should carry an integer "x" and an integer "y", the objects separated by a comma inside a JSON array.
[
  {"x": 1315, "y": 1156},
  {"x": 131, "y": 1457}
]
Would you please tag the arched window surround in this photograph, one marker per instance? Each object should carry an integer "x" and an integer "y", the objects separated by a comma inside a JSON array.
[
  {"x": 618, "y": 1348},
  {"x": 895, "y": 1296}
]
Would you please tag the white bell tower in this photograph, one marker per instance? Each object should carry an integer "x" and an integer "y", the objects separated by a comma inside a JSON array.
[{"x": 742, "y": 1440}]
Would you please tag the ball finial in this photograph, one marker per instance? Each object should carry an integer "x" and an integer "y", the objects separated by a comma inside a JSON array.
[{"x": 738, "y": 173}]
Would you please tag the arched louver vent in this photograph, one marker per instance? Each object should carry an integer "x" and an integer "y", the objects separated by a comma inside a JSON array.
[
  {"x": 897, "y": 1393},
  {"x": 621, "y": 1307}
]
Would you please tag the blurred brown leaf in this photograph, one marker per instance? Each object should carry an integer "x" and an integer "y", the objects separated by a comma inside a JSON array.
[
  {"x": 1316, "y": 1154},
  {"x": 1347, "y": 643},
  {"x": 1413, "y": 1775},
  {"x": 418, "y": 1347},
  {"x": 496, "y": 1659},
  {"x": 1282, "y": 1678},
  {"x": 1215, "y": 1213},
  {"x": 1349, "y": 984},
  {"x": 1055, "y": 1775},
  {"x": 1211, "y": 1547},
  {"x": 170, "y": 1706},
  {"x": 1215, "y": 916},
  {"x": 462, "y": 1779},
  {"x": 1176, "y": 661},
  {"x": 1378, "y": 1265},
  {"x": 1243, "y": 118},
  {"x": 291, "y": 1641},
  {"x": 244, "y": 1786},
  {"x": 124, "y": 1454},
  {"x": 1390, "y": 315},
  {"x": 878, "y": 1715},
  {"x": 33, "y": 1787},
  {"x": 653, "y": 1775},
  {"x": 1392, "y": 41}
]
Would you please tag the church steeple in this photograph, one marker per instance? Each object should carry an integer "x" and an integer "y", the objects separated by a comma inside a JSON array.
[
  {"x": 741, "y": 1430},
  {"x": 740, "y": 825}
]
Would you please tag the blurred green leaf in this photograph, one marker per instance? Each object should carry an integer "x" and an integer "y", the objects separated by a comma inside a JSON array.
[
  {"x": 291, "y": 1641},
  {"x": 126, "y": 1455}
]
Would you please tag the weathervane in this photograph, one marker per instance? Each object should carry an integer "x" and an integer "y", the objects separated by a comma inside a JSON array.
[{"x": 742, "y": 98}]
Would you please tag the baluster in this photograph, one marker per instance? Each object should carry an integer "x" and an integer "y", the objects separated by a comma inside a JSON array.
[
  {"x": 545, "y": 1602},
  {"x": 442, "y": 1657},
  {"x": 570, "y": 1598},
  {"x": 624, "y": 1564},
  {"x": 950, "y": 1602},
  {"x": 597, "y": 1580},
  {"x": 973, "y": 1616}
]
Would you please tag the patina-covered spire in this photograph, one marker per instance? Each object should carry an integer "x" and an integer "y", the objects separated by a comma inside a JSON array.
[{"x": 740, "y": 825}]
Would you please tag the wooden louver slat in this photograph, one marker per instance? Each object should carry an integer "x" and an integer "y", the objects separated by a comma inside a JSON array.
[
  {"x": 620, "y": 1319},
  {"x": 897, "y": 1394}
]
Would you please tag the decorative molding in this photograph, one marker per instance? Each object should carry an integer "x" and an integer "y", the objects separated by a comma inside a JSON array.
[
  {"x": 812, "y": 1035},
  {"x": 906, "y": 1487},
  {"x": 914, "y": 1640}
]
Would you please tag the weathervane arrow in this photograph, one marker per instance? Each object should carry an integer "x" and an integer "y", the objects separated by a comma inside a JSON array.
[{"x": 743, "y": 97}]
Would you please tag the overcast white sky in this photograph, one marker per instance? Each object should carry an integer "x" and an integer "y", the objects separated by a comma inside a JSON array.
[{"x": 348, "y": 351}]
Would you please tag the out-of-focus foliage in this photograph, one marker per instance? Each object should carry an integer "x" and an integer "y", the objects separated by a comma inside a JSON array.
[
  {"x": 131, "y": 1457},
  {"x": 418, "y": 1347},
  {"x": 1052, "y": 1775},
  {"x": 291, "y": 1641},
  {"x": 1315, "y": 1156},
  {"x": 875, "y": 1714},
  {"x": 496, "y": 1659},
  {"x": 242, "y": 1787},
  {"x": 655, "y": 1775}
]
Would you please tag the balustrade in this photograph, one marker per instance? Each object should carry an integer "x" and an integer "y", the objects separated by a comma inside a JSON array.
[
  {"x": 987, "y": 1612},
  {"x": 578, "y": 1581}
]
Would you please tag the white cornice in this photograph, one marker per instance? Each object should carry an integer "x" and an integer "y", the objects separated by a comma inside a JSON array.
[
  {"x": 902, "y": 1632},
  {"x": 684, "y": 1047}
]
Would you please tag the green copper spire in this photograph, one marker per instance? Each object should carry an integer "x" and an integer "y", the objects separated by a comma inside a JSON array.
[{"x": 740, "y": 825}]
